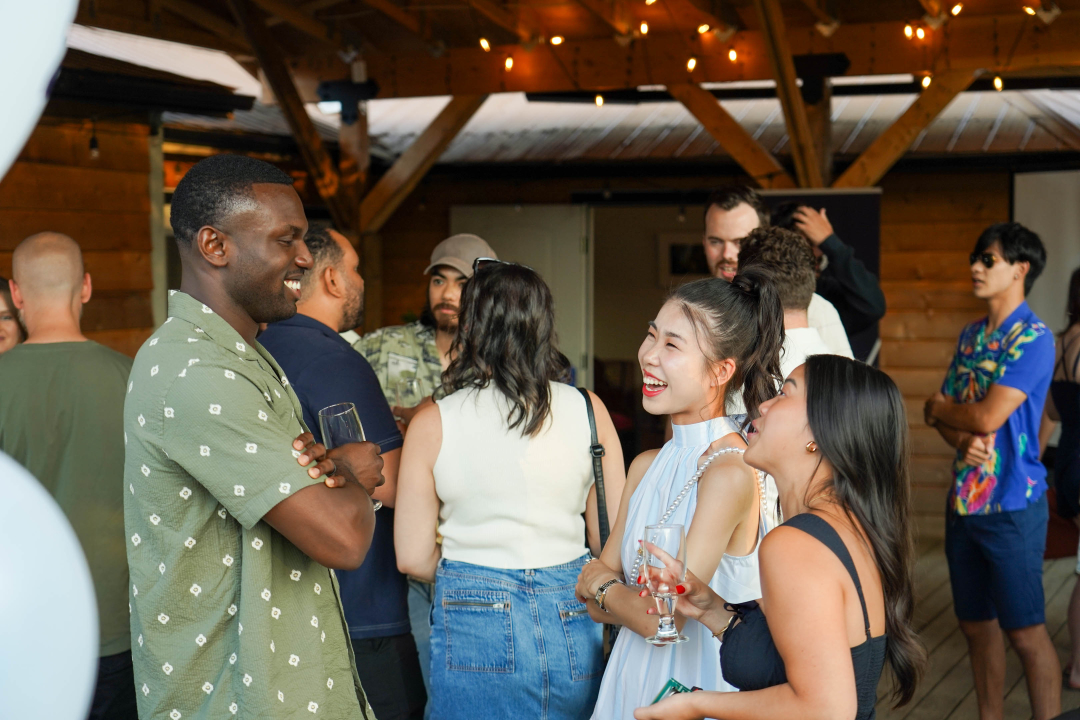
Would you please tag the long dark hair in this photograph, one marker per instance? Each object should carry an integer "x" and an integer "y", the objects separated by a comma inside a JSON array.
[
  {"x": 1072, "y": 309},
  {"x": 5, "y": 295},
  {"x": 506, "y": 335},
  {"x": 742, "y": 320},
  {"x": 858, "y": 419}
]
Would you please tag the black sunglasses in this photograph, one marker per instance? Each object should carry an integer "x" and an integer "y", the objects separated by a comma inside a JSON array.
[
  {"x": 987, "y": 259},
  {"x": 482, "y": 262}
]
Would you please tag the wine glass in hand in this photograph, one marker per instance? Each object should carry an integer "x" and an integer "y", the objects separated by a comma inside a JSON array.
[
  {"x": 340, "y": 424},
  {"x": 663, "y": 578}
]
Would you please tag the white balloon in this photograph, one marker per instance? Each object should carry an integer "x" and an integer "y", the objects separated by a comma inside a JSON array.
[
  {"x": 48, "y": 615},
  {"x": 33, "y": 40}
]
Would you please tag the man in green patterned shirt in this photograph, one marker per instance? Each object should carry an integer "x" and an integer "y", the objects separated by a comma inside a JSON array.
[
  {"x": 421, "y": 349},
  {"x": 232, "y": 519}
]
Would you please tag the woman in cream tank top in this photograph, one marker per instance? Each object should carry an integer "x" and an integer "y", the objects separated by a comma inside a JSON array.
[{"x": 495, "y": 501}]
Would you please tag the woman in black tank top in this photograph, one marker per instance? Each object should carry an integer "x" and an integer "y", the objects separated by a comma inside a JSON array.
[{"x": 836, "y": 578}]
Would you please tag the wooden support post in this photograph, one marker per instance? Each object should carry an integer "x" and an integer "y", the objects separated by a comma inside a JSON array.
[
  {"x": 354, "y": 165},
  {"x": 317, "y": 160},
  {"x": 787, "y": 90},
  {"x": 407, "y": 170},
  {"x": 819, "y": 116},
  {"x": 758, "y": 162},
  {"x": 876, "y": 160}
]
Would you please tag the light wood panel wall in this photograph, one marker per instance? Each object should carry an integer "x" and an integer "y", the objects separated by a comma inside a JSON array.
[
  {"x": 103, "y": 203},
  {"x": 929, "y": 223}
]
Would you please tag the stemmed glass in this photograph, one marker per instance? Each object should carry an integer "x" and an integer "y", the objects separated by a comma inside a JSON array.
[
  {"x": 410, "y": 392},
  {"x": 662, "y": 578},
  {"x": 340, "y": 425}
]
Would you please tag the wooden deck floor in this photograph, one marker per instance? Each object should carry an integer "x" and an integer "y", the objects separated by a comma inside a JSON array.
[{"x": 947, "y": 691}]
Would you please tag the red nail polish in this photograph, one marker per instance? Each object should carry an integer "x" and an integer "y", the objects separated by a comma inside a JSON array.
[
  {"x": 640, "y": 578},
  {"x": 680, "y": 589}
]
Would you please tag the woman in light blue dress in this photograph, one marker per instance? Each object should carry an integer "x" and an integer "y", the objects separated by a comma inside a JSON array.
[{"x": 710, "y": 341}]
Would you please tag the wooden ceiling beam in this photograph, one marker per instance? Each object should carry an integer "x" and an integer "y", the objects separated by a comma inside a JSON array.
[
  {"x": 758, "y": 162},
  {"x": 778, "y": 50},
  {"x": 304, "y": 22},
  {"x": 502, "y": 17},
  {"x": 318, "y": 162},
  {"x": 891, "y": 145},
  {"x": 820, "y": 14},
  {"x": 213, "y": 22},
  {"x": 407, "y": 171},
  {"x": 614, "y": 12}
]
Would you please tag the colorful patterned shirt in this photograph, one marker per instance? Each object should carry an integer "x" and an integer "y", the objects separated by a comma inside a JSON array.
[
  {"x": 228, "y": 617},
  {"x": 1019, "y": 354},
  {"x": 402, "y": 352}
]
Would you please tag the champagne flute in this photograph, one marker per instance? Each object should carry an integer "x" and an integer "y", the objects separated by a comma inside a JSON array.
[
  {"x": 410, "y": 391},
  {"x": 662, "y": 579},
  {"x": 340, "y": 425}
]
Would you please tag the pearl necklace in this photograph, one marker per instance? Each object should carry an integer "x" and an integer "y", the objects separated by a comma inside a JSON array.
[{"x": 686, "y": 489}]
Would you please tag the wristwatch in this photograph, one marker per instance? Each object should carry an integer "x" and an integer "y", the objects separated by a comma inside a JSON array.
[{"x": 602, "y": 592}]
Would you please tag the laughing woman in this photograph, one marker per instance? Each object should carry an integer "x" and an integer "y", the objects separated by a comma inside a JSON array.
[
  {"x": 710, "y": 341},
  {"x": 836, "y": 577}
]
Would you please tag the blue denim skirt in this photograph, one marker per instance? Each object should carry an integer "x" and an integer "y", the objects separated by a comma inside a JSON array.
[{"x": 512, "y": 644}]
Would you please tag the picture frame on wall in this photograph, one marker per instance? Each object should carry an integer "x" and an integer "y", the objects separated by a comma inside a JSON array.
[{"x": 680, "y": 258}]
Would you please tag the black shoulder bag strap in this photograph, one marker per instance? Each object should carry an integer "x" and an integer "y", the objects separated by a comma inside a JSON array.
[
  {"x": 611, "y": 632},
  {"x": 597, "y": 451}
]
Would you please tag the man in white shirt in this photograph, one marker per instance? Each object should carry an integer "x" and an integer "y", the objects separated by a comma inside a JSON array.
[
  {"x": 730, "y": 215},
  {"x": 788, "y": 258}
]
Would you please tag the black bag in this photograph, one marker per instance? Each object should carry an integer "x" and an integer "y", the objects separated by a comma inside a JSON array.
[{"x": 611, "y": 632}]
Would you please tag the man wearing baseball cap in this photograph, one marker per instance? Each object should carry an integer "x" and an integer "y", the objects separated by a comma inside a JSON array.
[{"x": 421, "y": 350}]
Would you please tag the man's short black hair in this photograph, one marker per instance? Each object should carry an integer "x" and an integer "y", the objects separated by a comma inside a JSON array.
[
  {"x": 215, "y": 188},
  {"x": 1018, "y": 244},
  {"x": 787, "y": 257},
  {"x": 324, "y": 249},
  {"x": 783, "y": 216},
  {"x": 732, "y": 196}
]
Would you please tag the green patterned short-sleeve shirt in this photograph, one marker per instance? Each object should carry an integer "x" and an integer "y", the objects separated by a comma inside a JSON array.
[
  {"x": 228, "y": 617},
  {"x": 401, "y": 352}
]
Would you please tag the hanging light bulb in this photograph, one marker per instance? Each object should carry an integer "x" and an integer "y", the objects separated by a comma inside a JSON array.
[
  {"x": 485, "y": 44},
  {"x": 920, "y": 33},
  {"x": 599, "y": 101},
  {"x": 909, "y": 31},
  {"x": 999, "y": 84},
  {"x": 926, "y": 81},
  {"x": 703, "y": 28},
  {"x": 644, "y": 28},
  {"x": 557, "y": 40},
  {"x": 509, "y": 63},
  {"x": 649, "y": 2},
  {"x": 732, "y": 55},
  {"x": 956, "y": 9},
  {"x": 1029, "y": 10},
  {"x": 691, "y": 64}
]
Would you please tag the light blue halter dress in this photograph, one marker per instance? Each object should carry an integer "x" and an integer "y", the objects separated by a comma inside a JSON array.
[{"x": 637, "y": 670}]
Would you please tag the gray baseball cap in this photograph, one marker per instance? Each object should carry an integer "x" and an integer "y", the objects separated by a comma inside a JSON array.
[{"x": 459, "y": 252}]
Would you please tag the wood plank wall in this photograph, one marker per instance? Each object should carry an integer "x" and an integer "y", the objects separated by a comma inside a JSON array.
[
  {"x": 103, "y": 203},
  {"x": 929, "y": 223}
]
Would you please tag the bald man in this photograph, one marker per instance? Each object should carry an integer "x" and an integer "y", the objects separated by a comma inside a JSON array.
[{"x": 61, "y": 416}]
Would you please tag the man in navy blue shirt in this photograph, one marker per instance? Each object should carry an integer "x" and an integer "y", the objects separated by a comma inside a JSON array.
[{"x": 324, "y": 370}]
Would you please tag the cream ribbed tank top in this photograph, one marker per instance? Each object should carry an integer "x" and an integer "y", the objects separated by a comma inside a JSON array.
[{"x": 510, "y": 501}]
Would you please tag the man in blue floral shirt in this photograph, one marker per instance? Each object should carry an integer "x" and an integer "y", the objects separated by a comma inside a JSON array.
[{"x": 989, "y": 409}]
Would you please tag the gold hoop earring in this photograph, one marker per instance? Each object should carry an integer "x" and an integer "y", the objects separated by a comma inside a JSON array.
[{"x": 811, "y": 447}]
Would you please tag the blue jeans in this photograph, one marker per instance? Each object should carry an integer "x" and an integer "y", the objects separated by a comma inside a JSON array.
[{"x": 512, "y": 643}]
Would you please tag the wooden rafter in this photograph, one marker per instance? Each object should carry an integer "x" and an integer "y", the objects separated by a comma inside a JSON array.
[
  {"x": 213, "y": 22},
  {"x": 304, "y": 22},
  {"x": 787, "y": 90},
  {"x": 890, "y": 146},
  {"x": 319, "y": 164},
  {"x": 758, "y": 162},
  {"x": 496, "y": 13},
  {"x": 393, "y": 187},
  {"x": 820, "y": 14},
  {"x": 614, "y": 12}
]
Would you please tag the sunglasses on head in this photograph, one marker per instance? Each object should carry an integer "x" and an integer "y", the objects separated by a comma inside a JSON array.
[
  {"x": 987, "y": 259},
  {"x": 482, "y": 262}
]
